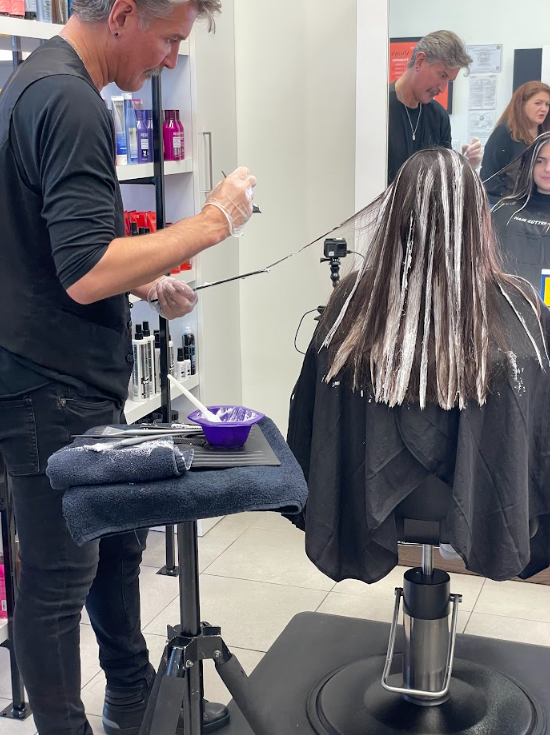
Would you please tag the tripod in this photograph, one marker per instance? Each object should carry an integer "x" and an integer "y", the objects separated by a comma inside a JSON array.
[
  {"x": 334, "y": 269},
  {"x": 180, "y": 675}
]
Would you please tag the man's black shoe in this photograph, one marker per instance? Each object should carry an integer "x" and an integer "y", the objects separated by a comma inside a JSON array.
[{"x": 123, "y": 713}]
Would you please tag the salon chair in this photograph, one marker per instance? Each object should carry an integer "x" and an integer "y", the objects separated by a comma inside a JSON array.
[
  {"x": 424, "y": 689},
  {"x": 419, "y": 687}
]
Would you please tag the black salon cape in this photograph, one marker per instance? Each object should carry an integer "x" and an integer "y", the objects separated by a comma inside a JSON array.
[
  {"x": 361, "y": 459},
  {"x": 524, "y": 236}
]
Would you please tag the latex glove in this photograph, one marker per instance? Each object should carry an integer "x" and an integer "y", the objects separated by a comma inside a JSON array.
[
  {"x": 234, "y": 196},
  {"x": 172, "y": 298},
  {"x": 474, "y": 153}
]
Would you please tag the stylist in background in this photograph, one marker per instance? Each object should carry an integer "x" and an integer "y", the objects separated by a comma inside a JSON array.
[
  {"x": 525, "y": 118},
  {"x": 65, "y": 342},
  {"x": 416, "y": 119}
]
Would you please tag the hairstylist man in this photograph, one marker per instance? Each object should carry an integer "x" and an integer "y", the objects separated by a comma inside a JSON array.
[
  {"x": 416, "y": 119},
  {"x": 65, "y": 348}
]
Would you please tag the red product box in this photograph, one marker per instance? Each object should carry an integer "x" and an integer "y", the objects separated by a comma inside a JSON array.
[{"x": 17, "y": 8}]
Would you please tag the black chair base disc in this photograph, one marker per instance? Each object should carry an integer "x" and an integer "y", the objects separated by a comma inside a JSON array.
[{"x": 482, "y": 701}]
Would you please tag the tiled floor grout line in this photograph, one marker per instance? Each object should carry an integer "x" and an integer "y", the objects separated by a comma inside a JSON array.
[
  {"x": 263, "y": 581},
  {"x": 468, "y": 622},
  {"x": 226, "y": 549},
  {"x": 325, "y": 598},
  {"x": 478, "y": 595}
]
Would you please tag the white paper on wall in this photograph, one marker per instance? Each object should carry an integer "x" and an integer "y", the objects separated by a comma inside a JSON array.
[
  {"x": 487, "y": 58},
  {"x": 481, "y": 124},
  {"x": 483, "y": 91}
]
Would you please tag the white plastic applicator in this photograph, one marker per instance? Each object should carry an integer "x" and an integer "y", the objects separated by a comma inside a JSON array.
[{"x": 195, "y": 401}]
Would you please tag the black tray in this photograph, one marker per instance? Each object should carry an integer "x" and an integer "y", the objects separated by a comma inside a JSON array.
[{"x": 257, "y": 452}]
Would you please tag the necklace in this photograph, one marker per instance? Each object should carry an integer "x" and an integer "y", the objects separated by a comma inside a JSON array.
[
  {"x": 413, "y": 130},
  {"x": 73, "y": 48}
]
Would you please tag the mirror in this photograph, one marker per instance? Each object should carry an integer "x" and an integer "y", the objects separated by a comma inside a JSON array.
[{"x": 505, "y": 55}]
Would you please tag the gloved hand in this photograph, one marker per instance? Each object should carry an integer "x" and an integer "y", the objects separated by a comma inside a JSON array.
[
  {"x": 474, "y": 153},
  {"x": 172, "y": 298},
  {"x": 234, "y": 197}
]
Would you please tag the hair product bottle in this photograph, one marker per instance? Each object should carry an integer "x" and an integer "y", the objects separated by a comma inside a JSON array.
[
  {"x": 130, "y": 124},
  {"x": 142, "y": 385},
  {"x": 142, "y": 137},
  {"x": 189, "y": 348},
  {"x": 149, "y": 124},
  {"x": 168, "y": 135},
  {"x": 181, "y": 132},
  {"x": 120, "y": 130},
  {"x": 157, "y": 360},
  {"x": 149, "y": 339},
  {"x": 44, "y": 11},
  {"x": 30, "y": 9}
]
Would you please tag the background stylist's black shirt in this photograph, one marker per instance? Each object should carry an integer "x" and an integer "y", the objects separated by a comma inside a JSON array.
[
  {"x": 434, "y": 129},
  {"x": 60, "y": 207}
]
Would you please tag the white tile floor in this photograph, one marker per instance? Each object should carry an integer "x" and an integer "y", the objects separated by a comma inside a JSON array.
[{"x": 256, "y": 577}]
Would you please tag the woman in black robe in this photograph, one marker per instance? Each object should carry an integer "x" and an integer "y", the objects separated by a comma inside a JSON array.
[{"x": 429, "y": 360}]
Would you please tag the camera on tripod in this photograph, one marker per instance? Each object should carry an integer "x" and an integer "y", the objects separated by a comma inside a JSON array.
[{"x": 335, "y": 249}]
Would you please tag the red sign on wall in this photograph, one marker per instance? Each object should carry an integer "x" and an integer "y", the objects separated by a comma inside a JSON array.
[{"x": 401, "y": 51}]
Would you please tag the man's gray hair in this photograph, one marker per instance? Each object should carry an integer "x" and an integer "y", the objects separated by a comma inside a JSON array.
[
  {"x": 443, "y": 46},
  {"x": 95, "y": 11}
]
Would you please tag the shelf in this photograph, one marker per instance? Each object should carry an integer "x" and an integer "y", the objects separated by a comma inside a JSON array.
[
  {"x": 43, "y": 31},
  {"x": 185, "y": 276},
  {"x": 136, "y": 410},
  {"x": 3, "y": 630},
  {"x": 146, "y": 170},
  {"x": 28, "y": 28}
]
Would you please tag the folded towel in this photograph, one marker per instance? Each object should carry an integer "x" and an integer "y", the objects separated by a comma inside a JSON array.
[
  {"x": 103, "y": 510},
  {"x": 96, "y": 461}
]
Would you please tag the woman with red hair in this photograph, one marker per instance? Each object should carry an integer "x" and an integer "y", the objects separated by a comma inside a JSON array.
[{"x": 525, "y": 118}]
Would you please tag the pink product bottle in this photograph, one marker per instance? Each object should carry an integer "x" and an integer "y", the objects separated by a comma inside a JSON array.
[
  {"x": 168, "y": 133},
  {"x": 3, "y": 600},
  {"x": 182, "y": 135}
]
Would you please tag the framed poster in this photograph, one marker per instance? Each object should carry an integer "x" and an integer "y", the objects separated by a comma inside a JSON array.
[{"x": 401, "y": 51}]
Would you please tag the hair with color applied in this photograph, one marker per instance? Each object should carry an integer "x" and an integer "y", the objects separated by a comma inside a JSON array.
[
  {"x": 522, "y": 169},
  {"x": 421, "y": 321}
]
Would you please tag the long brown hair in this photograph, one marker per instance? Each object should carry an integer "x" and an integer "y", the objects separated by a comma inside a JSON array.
[
  {"x": 421, "y": 321},
  {"x": 522, "y": 170},
  {"x": 515, "y": 117}
]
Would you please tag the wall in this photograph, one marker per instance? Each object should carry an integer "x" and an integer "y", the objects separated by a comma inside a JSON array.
[
  {"x": 296, "y": 89},
  {"x": 216, "y": 114},
  {"x": 489, "y": 21},
  {"x": 372, "y": 97}
]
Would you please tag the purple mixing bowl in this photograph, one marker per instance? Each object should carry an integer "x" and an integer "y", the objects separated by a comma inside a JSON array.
[{"x": 234, "y": 428}]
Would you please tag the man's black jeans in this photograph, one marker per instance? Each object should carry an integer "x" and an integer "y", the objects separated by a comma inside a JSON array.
[{"x": 57, "y": 576}]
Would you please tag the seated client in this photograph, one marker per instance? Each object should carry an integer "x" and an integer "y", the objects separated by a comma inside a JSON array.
[
  {"x": 429, "y": 360},
  {"x": 522, "y": 220}
]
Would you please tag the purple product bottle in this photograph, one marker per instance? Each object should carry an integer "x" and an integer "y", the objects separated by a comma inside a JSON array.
[
  {"x": 149, "y": 124},
  {"x": 144, "y": 152},
  {"x": 181, "y": 135},
  {"x": 168, "y": 133}
]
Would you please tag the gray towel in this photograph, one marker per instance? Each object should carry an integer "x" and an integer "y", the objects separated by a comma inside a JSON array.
[
  {"x": 103, "y": 510},
  {"x": 92, "y": 462}
]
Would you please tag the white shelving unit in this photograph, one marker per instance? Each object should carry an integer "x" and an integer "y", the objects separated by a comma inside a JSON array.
[
  {"x": 3, "y": 630},
  {"x": 28, "y": 28},
  {"x": 44, "y": 31},
  {"x": 145, "y": 170},
  {"x": 137, "y": 410}
]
